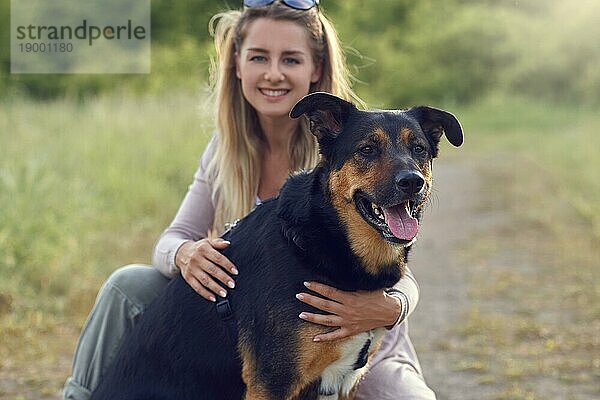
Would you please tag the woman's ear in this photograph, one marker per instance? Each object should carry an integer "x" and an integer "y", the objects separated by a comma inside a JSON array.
[
  {"x": 236, "y": 59},
  {"x": 316, "y": 75}
]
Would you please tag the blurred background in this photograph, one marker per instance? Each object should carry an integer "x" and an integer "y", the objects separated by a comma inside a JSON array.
[{"x": 93, "y": 167}]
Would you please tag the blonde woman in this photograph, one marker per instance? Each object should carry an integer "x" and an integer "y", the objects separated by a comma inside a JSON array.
[{"x": 270, "y": 55}]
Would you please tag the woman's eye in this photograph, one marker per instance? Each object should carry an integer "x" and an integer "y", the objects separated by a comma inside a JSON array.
[
  {"x": 291, "y": 61},
  {"x": 366, "y": 150},
  {"x": 257, "y": 58},
  {"x": 418, "y": 149}
]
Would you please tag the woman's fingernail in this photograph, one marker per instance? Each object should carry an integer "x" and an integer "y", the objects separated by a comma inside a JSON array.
[
  {"x": 317, "y": 339},
  {"x": 212, "y": 299},
  {"x": 302, "y": 315},
  {"x": 231, "y": 284},
  {"x": 307, "y": 284},
  {"x": 299, "y": 296},
  {"x": 223, "y": 293},
  {"x": 234, "y": 271},
  {"x": 226, "y": 242}
]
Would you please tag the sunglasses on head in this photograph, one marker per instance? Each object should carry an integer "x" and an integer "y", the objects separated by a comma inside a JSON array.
[{"x": 296, "y": 4}]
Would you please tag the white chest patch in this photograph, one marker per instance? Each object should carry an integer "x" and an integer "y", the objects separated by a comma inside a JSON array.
[{"x": 340, "y": 377}]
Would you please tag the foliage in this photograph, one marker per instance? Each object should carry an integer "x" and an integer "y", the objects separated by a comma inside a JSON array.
[
  {"x": 559, "y": 54},
  {"x": 406, "y": 52},
  {"x": 440, "y": 53},
  {"x": 179, "y": 59}
]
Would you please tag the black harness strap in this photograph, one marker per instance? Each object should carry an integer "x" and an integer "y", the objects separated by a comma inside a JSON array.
[{"x": 225, "y": 311}]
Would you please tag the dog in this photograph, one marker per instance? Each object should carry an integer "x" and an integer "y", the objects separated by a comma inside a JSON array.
[{"x": 348, "y": 223}]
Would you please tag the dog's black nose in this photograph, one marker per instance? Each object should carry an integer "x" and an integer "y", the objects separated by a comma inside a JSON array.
[{"x": 410, "y": 182}]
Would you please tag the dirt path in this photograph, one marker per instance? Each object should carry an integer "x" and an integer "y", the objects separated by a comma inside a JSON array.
[
  {"x": 454, "y": 216},
  {"x": 489, "y": 324}
]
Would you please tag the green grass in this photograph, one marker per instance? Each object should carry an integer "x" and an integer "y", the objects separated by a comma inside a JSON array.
[
  {"x": 85, "y": 185},
  {"x": 560, "y": 144},
  {"x": 88, "y": 186}
]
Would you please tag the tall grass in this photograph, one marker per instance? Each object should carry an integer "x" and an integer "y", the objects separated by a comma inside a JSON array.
[{"x": 85, "y": 187}]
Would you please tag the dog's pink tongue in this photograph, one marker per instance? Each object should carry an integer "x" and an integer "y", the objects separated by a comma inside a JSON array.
[{"x": 400, "y": 222}]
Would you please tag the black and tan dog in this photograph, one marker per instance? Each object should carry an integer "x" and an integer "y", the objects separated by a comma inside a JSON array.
[{"x": 348, "y": 223}]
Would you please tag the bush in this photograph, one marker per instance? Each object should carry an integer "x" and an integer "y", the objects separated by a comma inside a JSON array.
[{"x": 430, "y": 51}]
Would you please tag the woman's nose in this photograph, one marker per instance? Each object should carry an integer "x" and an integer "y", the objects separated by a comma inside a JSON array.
[{"x": 274, "y": 74}]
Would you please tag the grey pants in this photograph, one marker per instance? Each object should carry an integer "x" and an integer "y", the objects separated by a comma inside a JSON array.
[{"x": 395, "y": 372}]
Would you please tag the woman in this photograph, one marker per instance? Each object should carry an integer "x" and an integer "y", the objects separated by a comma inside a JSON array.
[{"x": 269, "y": 56}]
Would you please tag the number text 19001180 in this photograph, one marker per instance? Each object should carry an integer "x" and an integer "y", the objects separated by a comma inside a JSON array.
[{"x": 41, "y": 47}]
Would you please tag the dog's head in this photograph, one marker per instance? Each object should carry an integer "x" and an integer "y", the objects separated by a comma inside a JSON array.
[{"x": 379, "y": 165}]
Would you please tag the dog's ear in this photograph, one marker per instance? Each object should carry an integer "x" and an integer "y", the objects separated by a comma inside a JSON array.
[
  {"x": 436, "y": 122},
  {"x": 327, "y": 113}
]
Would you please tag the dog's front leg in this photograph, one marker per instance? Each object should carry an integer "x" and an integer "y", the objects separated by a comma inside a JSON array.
[
  {"x": 263, "y": 388},
  {"x": 297, "y": 375},
  {"x": 254, "y": 390}
]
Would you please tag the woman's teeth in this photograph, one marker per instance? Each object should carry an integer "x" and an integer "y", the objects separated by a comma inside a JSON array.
[{"x": 273, "y": 93}]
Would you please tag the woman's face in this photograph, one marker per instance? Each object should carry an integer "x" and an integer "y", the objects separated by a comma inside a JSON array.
[{"x": 275, "y": 66}]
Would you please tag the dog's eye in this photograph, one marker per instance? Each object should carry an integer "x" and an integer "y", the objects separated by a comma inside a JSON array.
[
  {"x": 366, "y": 150},
  {"x": 418, "y": 149}
]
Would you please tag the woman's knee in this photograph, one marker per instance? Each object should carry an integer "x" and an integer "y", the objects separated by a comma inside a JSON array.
[
  {"x": 140, "y": 284},
  {"x": 122, "y": 299}
]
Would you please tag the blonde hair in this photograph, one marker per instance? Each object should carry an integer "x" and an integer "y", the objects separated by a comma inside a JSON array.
[{"x": 236, "y": 163}]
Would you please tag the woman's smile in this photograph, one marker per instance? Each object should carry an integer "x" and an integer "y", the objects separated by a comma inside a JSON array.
[{"x": 274, "y": 94}]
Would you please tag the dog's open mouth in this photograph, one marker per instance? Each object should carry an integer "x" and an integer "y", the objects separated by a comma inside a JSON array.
[{"x": 395, "y": 223}]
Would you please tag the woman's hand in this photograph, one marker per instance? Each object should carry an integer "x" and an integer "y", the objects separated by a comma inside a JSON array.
[
  {"x": 351, "y": 312},
  {"x": 202, "y": 265}
]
